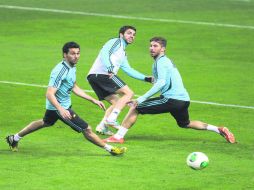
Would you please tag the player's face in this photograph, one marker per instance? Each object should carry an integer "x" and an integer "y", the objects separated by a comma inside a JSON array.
[
  {"x": 72, "y": 56},
  {"x": 156, "y": 49},
  {"x": 128, "y": 36}
]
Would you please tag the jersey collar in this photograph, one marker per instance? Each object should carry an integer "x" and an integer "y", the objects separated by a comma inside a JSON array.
[
  {"x": 123, "y": 42},
  {"x": 67, "y": 65},
  {"x": 157, "y": 58}
]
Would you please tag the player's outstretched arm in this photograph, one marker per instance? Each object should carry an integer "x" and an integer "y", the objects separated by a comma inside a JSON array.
[{"x": 79, "y": 92}]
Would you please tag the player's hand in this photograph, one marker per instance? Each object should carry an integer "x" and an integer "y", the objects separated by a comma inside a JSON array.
[
  {"x": 100, "y": 104},
  {"x": 110, "y": 75},
  {"x": 65, "y": 113},
  {"x": 132, "y": 103},
  {"x": 149, "y": 79}
]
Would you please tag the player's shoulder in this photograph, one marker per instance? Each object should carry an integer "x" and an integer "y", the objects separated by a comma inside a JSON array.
[
  {"x": 60, "y": 67},
  {"x": 165, "y": 60},
  {"x": 114, "y": 40},
  {"x": 112, "y": 43}
]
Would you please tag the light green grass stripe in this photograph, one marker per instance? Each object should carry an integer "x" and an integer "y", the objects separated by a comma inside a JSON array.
[
  {"x": 91, "y": 91},
  {"x": 127, "y": 17}
]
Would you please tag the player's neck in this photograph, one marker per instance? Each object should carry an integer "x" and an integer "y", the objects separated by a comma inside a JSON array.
[
  {"x": 158, "y": 56},
  {"x": 69, "y": 64},
  {"x": 124, "y": 42}
]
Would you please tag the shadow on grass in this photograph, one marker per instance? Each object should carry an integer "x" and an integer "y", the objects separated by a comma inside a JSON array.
[
  {"x": 44, "y": 152},
  {"x": 216, "y": 144},
  {"x": 167, "y": 138}
]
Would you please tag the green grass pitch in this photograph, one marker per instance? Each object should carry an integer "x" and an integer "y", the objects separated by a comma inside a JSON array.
[{"x": 216, "y": 64}]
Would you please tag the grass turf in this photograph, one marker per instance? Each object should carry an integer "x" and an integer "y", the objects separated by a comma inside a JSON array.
[{"x": 215, "y": 63}]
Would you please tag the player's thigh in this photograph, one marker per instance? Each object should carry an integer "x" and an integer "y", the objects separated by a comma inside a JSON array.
[
  {"x": 105, "y": 86},
  {"x": 112, "y": 99},
  {"x": 97, "y": 84},
  {"x": 180, "y": 112},
  {"x": 125, "y": 90},
  {"x": 50, "y": 117},
  {"x": 153, "y": 106},
  {"x": 76, "y": 123}
]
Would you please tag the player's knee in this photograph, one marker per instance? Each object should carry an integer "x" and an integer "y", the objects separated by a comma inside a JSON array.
[
  {"x": 132, "y": 108},
  {"x": 88, "y": 131},
  {"x": 129, "y": 94},
  {"x": 126, "y": 92},
  {"x": 47, "y": 124}
]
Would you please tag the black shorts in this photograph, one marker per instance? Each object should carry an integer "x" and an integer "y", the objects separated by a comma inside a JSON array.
[
  {"x": 76, "y": 123},
  {"x": 104, "y": 86},
  {"x": 177, "y": 108}
]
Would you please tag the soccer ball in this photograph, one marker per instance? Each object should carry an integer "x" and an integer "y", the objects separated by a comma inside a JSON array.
[{"x": 197, "y": 160}]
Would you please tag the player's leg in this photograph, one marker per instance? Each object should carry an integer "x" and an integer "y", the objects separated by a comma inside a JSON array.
[
  {"x": 49, "y": 119},
  {"x": 199, "y": 125},
  {"x": 33, "y": 126},
  {"x": 223, "y": 131},
  {"x": 150, "y": 106},
  {"x": 92, "y": 137},
  {"x": 104, "y": 88},
  {"x": 101, "y": 127},
  {"x": 79, "y": 125},
  {"x": 131, "y": 118},
  {"x": 179, "y": 110},
  {"x": 181, "y": 115},
  {"x": 126, "y": 95},
  {"x": 116, "y": 86},
  {"x": 127, "y": 123}
]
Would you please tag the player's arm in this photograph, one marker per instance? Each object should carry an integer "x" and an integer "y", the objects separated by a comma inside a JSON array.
[
  {"x": 79, "y": 92},
  {"x": 125, "y": 66},
  {"x": 50, "y": 95},
  {"x": 111, "y": 46},
  {"x": 161, "y": 81}
]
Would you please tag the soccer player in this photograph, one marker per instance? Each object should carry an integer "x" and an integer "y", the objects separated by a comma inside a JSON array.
[
  {"x": 174, "y": 98},
  {"x": 105, "y": 82},
  {"x": 58, "y": 103}
]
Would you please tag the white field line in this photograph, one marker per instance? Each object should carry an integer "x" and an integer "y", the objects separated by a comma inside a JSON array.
[
  {"x": 246, "y": 1},
  {"x": 91, "y": 91},
  {"x": 127, "y": 17}
]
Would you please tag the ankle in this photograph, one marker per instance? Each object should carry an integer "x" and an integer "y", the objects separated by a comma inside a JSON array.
[{"x": 17, "y": 137}]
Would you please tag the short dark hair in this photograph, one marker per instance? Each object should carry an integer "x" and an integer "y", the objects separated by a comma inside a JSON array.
[
  {"x": 69, "y": 45},
  {"x": 162, "y": 41},
  {"x": 124, "y": 28}
]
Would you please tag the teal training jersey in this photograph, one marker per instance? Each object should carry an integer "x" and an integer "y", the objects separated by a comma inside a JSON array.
[
  {"x": 62, "y": 77},
  {"x": 167, "y": 80}
]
